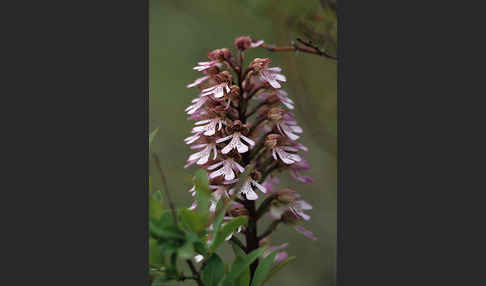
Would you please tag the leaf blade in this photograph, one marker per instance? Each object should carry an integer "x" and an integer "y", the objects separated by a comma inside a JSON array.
[
  {"x": 240, "y": 264},
  {"x": 263, "y": 269},
  {"x": 277, "y": 268},
  {"x": 227, "y": 229},
  {"x": 213, "y": 271}
]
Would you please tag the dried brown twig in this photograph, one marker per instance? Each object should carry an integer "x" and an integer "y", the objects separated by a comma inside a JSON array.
[{"x": 306, "y": 47}]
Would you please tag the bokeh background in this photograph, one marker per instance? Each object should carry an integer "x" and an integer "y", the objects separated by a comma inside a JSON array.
[{"x": 181, "y": 33}]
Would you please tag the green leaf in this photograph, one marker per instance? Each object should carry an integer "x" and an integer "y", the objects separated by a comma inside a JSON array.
[
  {"x": 203, "y": 193},
  {"x": 277, "y": 268},
  {"x": 240, "y": 265},
  {"x": 159, "y": 281},
  {"x": 164, "y": 231},
  {"x": 169, "y": 247},
  {"x": 152, "y": 136},
  {"x": 219, "y": 218},
  {"x": 244, "y": 278},
  {"x": 155, "y": 205},
  {"x": 263, "y": 269},
  {"x": 236, "y": 249},
  {"x": 186, "y": 251},
  {"x": 155, "y": 256},
  {"x": 200, "y": 248},
  {"x": 227, "y": 229},
  {"x": 213, "y": 271},
  {"x": 192, "y": 222}
]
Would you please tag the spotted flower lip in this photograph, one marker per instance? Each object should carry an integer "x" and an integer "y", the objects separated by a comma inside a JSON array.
[
  {"x": 198, "y": 81},
  {"x": 248, "y": 191},
  {"x": 288, "y": 127},
  {"x": 284, "y": 98},
  {"x": 208, "y": 126},
  {"x": 287, "y": 158},
  {"x": 236, "y": 143},
  {"x": 217, "y": 90},
  {"x": 229, "y": 166},
  {"x": 202, "y": 157},
  {"x": 197, "y": 103},
  {"x": 201, "y": 66},
  {"x": 272, "y": 76},
  {"x": 296, "y": 208},
  {"x": 193, "y": 138}
]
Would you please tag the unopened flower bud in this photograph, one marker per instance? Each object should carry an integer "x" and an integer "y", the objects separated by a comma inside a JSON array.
[
  {"x": 236, "y": 212},
  {"x": 243, "y": 43},
  {"x": 259, "y": 64},
  {"x": 237, "y": 126},
  {"x": 234, "y": 91},
  {"x": 220, "y": 54},
  {"x": 223, "y": 76},
  {"x": 226, "y": 53}
]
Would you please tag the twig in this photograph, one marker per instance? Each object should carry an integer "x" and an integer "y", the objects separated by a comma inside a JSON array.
[
  {"x": 166, "y": 188},
  {"x": 195, "y": 273},
  {"x": 306, "y": 48}
]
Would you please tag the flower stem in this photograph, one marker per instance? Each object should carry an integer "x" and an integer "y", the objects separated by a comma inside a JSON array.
[{"x": 251, "y": 234}]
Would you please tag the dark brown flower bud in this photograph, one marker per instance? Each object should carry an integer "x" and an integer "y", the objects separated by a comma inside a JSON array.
[
  {"x": 234, "y": 91},
  {"x": 216, "y": 55},
  {"x": 243, "y": 43},
  {"x": 236, "y": 212},
  {"x": 220, "y": 54},
  {"x": 237, "y": 126},
  {"x": 226, "y": 53},
  {"x": 258, "y": 64},
  {"x": 224, "y": 76}
]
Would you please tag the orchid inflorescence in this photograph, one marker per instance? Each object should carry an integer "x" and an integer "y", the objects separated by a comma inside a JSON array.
[{"x": 243, "y": 117}]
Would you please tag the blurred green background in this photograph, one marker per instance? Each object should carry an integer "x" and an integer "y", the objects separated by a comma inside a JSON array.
[{"x": 181, "y": 33}]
